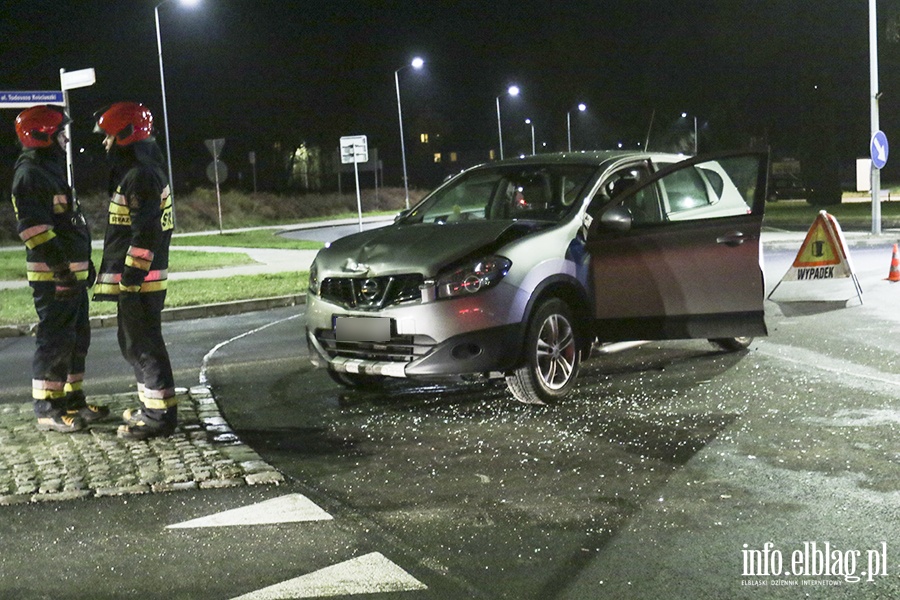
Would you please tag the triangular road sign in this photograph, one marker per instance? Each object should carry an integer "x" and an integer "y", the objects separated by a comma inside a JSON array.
[
  {"x": 823, "y": 254},
  {"x": 823, "y": 257},
  {"x": 292, "y": 508},
  {"x": 368, "y": 574}
]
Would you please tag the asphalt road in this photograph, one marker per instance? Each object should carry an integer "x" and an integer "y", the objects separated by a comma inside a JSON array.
[{"x": 669, "y": 468}]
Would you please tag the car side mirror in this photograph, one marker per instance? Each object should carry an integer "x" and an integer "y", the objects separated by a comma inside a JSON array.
[
  {"x": 617, "y": 218},
  {"x": 402, "y": 214}
]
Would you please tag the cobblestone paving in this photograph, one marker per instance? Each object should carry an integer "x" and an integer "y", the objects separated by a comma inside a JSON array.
[{"x": 203, "y": 453}]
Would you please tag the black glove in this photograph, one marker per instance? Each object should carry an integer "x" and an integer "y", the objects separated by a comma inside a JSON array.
[
  {"x": 92, "y": 275},
  {"x": 67, "y": 286},
  {"x": 132, "y": 276}
]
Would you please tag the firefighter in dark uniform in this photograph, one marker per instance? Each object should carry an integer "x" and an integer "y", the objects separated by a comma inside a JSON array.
[
  {"x": 135, "y": 262},
  {"x": 58, "y": 254}
]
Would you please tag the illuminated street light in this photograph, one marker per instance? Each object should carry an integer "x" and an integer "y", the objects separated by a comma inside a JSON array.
[
  {"x": 581, "y": 107},
  {"x": 415, "y": 64},
  {"x": 513, "y": 90},
  {"x": 162, "y": 83},
  {"x": 529, "y": 122}
]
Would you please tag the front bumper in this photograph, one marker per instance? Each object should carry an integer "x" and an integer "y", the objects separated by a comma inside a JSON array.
[{"x": 483, "y": 351}]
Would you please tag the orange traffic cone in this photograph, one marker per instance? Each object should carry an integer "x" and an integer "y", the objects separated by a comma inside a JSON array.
[{"x": 894, "y": 274}]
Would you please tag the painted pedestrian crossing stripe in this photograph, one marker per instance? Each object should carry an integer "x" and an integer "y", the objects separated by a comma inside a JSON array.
[
  {"x": 368, "y": 574},
  {"x": 293, "y": 508},
  {"x": 371, "y": 573}
]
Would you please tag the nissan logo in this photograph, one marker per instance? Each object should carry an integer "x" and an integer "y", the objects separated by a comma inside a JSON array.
[{"x": 370, "y": 290}]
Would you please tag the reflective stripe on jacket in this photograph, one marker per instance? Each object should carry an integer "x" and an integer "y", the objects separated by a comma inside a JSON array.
[
  {"x": 138, "y": 229},
  {"x": 49, "y": 220}
]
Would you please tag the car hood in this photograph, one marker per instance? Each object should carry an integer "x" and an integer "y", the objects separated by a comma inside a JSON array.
[{"x": 418, "y": 248}]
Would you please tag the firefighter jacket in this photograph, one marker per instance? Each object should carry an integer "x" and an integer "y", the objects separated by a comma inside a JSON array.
[
  {"x": 49, "y": 219},
  {"x": 140, "y": 224}
]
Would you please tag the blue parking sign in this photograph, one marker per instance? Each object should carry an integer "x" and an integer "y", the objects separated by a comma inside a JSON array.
[{"x": 878, "y": 149}]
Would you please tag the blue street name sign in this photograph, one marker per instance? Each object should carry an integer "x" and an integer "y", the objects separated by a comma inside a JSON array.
[
  {"x": 26, "y": 99},
  {"x": 878, "y": 148}
]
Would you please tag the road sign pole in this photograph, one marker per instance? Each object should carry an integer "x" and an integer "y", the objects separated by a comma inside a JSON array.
[
  {"x": 874, "y": 94},
  {"x": 358, "y": 196},
  {"x": 355, "y": 149}
]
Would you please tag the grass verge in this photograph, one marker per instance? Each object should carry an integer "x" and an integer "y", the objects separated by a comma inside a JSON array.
[
  {"x": 12, "y": 264},
  {"x": 853, "y": 216},
  {"x": 16, "y": 307},
  {"x": 263, "y": 238}
]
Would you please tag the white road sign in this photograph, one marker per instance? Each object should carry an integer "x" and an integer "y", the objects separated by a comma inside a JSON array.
[{"x": 354, "y": 149}]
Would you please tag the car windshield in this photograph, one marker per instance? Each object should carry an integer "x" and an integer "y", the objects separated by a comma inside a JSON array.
[{"x": 520, "y": 192}]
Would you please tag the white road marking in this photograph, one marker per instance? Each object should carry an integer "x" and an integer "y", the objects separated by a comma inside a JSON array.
[
  {"x": 205, "y": 362},
  {"x": 367, "y": 574},
  {"x": 292, "y": 508}
]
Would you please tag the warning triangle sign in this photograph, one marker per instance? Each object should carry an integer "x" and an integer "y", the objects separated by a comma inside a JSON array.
[
  {"x": 822, "y": 259},
  {"x": 819, "y": 248},
  {"x": 823, "y": 254}
]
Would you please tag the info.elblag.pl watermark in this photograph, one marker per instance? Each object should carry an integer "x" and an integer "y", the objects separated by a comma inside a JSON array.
[{"x": 812, "y": 563}]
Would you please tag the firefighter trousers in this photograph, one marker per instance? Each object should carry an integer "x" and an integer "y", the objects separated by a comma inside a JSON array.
[
  {"x": 141, "y": 342},
  {"x": 62, "y": 340}
]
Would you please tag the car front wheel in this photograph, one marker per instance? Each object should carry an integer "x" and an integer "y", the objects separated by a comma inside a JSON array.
[
  {"x": 552, "y": 356},
  {"x": 733, "y": 344}
]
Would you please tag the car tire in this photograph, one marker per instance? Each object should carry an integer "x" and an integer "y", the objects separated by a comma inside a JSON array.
[
  {"x": 357, "y": 381},
  {"x": 552, "y": 356},
  {"x": 732, "y": 344}
]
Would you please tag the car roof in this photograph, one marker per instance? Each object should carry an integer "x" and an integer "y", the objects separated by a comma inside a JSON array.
[{"x": 592, "y": 158}]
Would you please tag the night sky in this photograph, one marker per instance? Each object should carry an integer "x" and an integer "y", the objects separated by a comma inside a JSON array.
[{"x": 256, "y": 72}]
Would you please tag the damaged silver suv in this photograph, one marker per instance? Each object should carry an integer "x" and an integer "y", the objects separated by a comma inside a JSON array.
[{"x": 514, "y": 269}]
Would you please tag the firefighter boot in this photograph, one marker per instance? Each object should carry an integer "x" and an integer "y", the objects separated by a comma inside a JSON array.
[
  {"x": 143, "y": 423},
  {"x": 51, "y": 416},
  {"x": 76, "y": 405}
]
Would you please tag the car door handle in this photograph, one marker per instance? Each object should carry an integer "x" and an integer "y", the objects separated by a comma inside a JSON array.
[{"x": 735, "y": 238}]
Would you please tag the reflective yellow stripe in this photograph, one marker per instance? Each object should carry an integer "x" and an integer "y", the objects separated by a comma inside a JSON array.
[
  {"x": 154, "y": 286},
  {"x": 42, "y": 389},
  {"x": 39, "y": 239},
  {"x": 39, "y": 276},
  {"x": 60, "y": 204},
  {"x": 108, "y": 289},
  {"x": 152, "y": 399},
  {"x": 129, "y": 288},
  {"x": 138, "y": 263}
]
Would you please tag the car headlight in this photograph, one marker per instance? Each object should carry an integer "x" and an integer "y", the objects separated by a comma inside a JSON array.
[
  {"x": 313, "y": 286},
  {"x": 473, "y": 277}
]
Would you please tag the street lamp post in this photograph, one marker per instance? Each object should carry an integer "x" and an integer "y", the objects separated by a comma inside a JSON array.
[
  {"x": 530, "y": 122},
  {"x": 415, "y": 64},
  {"x": 513, "y": 90},
  {"x": 581, "y": 107},
  {"x": 162, "y": 83},
  {"x": 684, "y": 115}
]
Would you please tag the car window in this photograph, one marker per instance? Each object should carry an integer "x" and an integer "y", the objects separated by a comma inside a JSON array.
[
  {"x": 685, "y": 190},
  {"x": 705, "y": 191},
  {"x": 644, "y": 206},
  {"x": 532, "y": 192}
]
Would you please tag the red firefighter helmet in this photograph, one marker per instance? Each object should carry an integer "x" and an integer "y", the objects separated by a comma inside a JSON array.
[
  {"x": 128, "y": 122},
  {"x": 37, "y": 126}
]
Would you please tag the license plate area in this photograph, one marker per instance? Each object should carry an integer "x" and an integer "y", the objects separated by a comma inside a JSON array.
[{"x": 362, "y": 329}]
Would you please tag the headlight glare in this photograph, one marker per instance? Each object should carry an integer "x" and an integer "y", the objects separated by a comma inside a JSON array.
[{"x": 313, "y": 286}]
